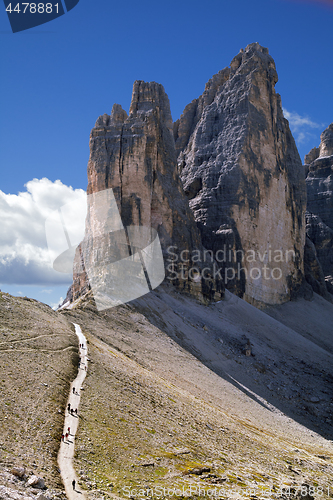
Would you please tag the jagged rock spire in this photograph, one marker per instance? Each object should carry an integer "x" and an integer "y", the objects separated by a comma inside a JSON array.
[
  {"x": 135, "y": 156},
  {"x": 242, "y": 173}
]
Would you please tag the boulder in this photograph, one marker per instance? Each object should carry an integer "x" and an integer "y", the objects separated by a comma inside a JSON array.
[
  {"x": 36, "y": 482},
  {"x": 198, "y": 471},
  {"x": 18, "y": 472}
]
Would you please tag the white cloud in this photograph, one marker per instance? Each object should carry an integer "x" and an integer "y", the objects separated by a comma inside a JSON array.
[
  {"x": 296, "y": 121},
  {"x": 301, "y": 126},
  {"x": 301, "y": 138},
  {"x": 55, "y": 305},
  {"x": 24, "y": 256}
]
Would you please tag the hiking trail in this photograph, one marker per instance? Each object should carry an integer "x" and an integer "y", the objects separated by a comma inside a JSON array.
[{"x": 66, "y": 451}]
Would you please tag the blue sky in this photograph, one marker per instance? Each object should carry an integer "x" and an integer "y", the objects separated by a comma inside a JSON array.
[{"x": 58, "y": 78}]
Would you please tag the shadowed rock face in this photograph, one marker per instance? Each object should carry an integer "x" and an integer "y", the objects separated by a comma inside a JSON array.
[
  {"x": 135, "y": 156},
  {"x": 243, "y": 176},
  {"x": 319, "y": 183},
  {"x": 313, "y": 270},
  {"x": 321, "y": 236}
]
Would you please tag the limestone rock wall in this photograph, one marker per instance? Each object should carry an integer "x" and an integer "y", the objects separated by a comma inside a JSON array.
[
  {"x": 313, "y": 270},
  {"x": 321, "y": 236},
  {"x": 319, "y": 217},
  {"x": 244, "y": 179},
  {"x": 226, "y": 177},
  {"x": 319, "y": 180},
  {"x": 135, "y": 156}
]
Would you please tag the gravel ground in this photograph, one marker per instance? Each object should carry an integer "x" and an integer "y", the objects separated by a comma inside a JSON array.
[
  {"x": 171, "y": 400},
  {"x": 38, "y": 359}
]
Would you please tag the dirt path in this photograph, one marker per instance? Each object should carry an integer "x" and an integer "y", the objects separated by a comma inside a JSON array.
[
  {"x": 66, "y": 451},
  {"x": 30, "y": 339}
]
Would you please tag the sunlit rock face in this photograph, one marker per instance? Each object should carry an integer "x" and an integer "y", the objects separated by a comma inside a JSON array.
[
  {"x": 244, "y": 178},
  {"x": 226, "y": 177},
  {"x": 134, "y": 158}
]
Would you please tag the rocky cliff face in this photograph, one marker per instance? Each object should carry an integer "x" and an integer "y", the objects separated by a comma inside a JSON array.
[
  {"x": 319, "y": 180},
  {"x": 313, "y": 270},
  {"x": 222, "y": 185},
  {"x": 135, "y": 156},
  {"x": 244, "y": 179},
  {"x": 319, "y": 217}
]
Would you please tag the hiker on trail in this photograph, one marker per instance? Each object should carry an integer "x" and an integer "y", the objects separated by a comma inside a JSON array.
[
  {"x": 75, "y": 411},
  {"x": 66, "y": 435},
  {"x": 72, "y": 411},
  {"x": 69, "y": 430},
  {"x": 62, "y": 437},
  {"x": 73, "y": 484},
  {"x": 69, "y": 407},
  {"x": 73, "y": 390}
]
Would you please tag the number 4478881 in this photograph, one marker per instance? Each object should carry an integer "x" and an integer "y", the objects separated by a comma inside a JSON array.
[{"x": 33, "y": 8}]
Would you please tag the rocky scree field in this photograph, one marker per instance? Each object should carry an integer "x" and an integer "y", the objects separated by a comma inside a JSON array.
[{"x": 155, "y": 415}]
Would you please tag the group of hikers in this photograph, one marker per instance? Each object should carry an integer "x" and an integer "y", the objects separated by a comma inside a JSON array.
[
  {"x": 79, "y": 365},
  {"x": 66, "y": 436},
  {"x": 73, "y": 412}
]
